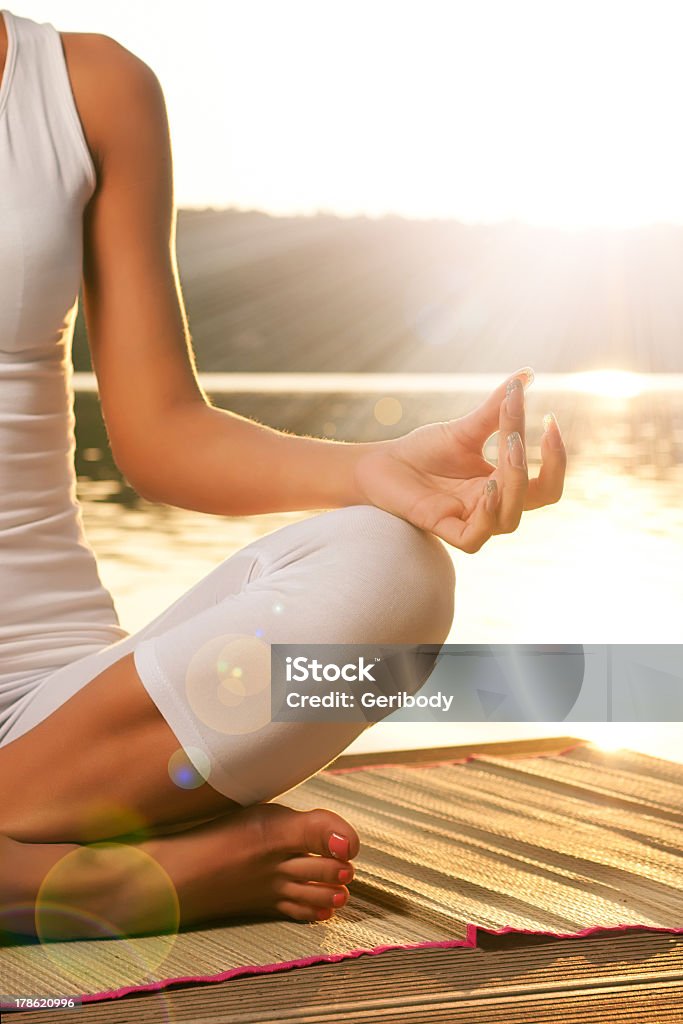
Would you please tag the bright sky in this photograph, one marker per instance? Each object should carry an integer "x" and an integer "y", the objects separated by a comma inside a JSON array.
[{"x": 562, "y": 112}]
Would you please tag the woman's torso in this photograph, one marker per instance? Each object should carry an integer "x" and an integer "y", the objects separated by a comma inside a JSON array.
[{"x": 53, "y": 606}]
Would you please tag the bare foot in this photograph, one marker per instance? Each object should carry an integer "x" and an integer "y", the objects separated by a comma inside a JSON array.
[{"x": 263, "y": 861}]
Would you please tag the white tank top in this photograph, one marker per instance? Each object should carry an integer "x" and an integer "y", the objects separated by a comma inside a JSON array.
[{"x": 53, "y": 606}]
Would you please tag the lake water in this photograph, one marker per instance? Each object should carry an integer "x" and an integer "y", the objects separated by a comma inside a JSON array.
[{"x": 602, "y": 566}]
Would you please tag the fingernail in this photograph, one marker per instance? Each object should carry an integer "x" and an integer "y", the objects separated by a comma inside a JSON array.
[
  {"x": 516, "y": 450},
  {"x": 514, "y": 403},
  {"x": 339, "y": 899},
  {"x": 552, "y": 430},
  {"x": 528, "y": 376},
  {"x": 345, "y": 876},
  {"x": 491, "y": 495},
  {"x": 338, "y": 846}
]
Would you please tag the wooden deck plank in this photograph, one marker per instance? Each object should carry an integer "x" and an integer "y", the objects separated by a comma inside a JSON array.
[{"x": 631, "y": 972}]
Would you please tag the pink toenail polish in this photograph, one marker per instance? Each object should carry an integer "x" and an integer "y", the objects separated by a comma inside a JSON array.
[
  {"x": 323, "y": 915},
  {"x": 338, "y": 846},
  {"x": 344, "y": 876}
]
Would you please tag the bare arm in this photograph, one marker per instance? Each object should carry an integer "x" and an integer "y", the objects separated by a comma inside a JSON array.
[{"x": 166, "y": 437}]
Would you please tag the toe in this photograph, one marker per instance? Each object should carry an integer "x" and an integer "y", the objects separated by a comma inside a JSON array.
[
  {"x": 327, "y": 833},
  {"x": 313, "y": 894},
  {"x": 301, "y": 912},
  {"x": 319, "y": 831},
  {"x": 317, "y": 869}
]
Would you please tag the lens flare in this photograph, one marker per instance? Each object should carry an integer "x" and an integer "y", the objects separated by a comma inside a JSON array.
[
  {"x": 388, "y": 411},
  {"x": 17, "y": 921},
  {"x": 107, "y": 890},
  {"x": 189, "y": 768},
  {"x": 106, "y": 819},
  {"x": 228, "y": 684}
]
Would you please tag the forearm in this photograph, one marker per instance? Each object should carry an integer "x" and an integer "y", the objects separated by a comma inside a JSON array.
[{"x": 214, "y": 461}]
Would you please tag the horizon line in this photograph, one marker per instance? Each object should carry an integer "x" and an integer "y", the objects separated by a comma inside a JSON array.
[
  {"x": 389, "y": 215},
  {"x": 619, "y": 384}
]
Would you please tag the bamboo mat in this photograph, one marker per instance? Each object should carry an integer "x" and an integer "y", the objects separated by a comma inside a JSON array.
[{"x": 557, "y": 844}]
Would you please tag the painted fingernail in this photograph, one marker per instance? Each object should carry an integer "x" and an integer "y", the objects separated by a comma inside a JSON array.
[
  {"x": 339, "y": 899},
  {"x": 345, "y": 876},
  {"x": 491, "y": 495},
  {"x": 338, "y": 846},
  {"x": 514, "y": 403},
  {"x": 528, "y": 376},
  {"x": 516, "y": 450},
  {"x": 552, "y": 431}
]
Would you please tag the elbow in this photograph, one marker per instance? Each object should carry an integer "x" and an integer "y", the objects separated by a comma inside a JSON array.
[
  {"x": 146, "y": 489},
  {"x": 141, "y": 480},
  {"x": 155, "y": 456}
]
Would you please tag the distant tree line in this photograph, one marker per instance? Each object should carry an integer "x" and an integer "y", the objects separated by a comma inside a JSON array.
[{"x": 325, "y": 293}]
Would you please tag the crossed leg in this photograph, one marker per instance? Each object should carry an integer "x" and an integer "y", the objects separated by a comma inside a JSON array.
[{"x": 91, "y": 749}]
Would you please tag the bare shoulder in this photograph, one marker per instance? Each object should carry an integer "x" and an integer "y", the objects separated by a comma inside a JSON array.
[{"x": 117, "y": 94}]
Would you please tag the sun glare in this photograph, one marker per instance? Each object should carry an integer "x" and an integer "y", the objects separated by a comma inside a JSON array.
[
  {"x": 610, "y": 744},
  {"x": 560, "y": 113},
  {"x": 609, "y": 383}
]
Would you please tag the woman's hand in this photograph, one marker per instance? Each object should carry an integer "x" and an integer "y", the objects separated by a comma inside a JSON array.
[{"x": 437, "y": 477}]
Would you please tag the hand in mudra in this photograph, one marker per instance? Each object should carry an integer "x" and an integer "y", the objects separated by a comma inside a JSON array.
[{"x": 437, "y": 477}]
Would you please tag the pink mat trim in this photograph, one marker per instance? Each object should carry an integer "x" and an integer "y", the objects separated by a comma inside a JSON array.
[{"x": 469, "y": 942}]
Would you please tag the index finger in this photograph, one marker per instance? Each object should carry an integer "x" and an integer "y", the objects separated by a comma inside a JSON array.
[{"x": 512, "y": 458}]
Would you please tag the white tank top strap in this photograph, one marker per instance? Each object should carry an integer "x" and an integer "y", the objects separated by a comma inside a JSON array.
[{"x": 37, "y": 89}]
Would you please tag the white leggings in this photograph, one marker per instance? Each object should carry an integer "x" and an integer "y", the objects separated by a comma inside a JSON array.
[{"x": 356, "y": 575}]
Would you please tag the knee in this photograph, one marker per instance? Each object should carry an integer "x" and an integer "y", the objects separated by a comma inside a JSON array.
[{"x": 411, "y": 574}]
